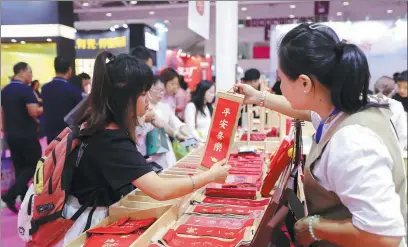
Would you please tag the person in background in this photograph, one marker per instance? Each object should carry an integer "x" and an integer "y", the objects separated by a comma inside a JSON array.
[
  {"x": 77, "y": 81},
  {"x": 110, "y": 161},
  {"x": 276, "y": 87},
  {"x": 143, "y": 54},
  {"x": 86, "y": 82},
  {"x": 171, "y": 124},
  {"x": 35, "y": 85},
  {"x": 20, "y": 108},
  {"x": 199, "y": 111},
  {"x": 385, "y": 87},
  {"x": 251, "y": 77},
  {"x": 355, "y": 182},
  {"x": 171, "y": 81},
  {"x": 182, "y": 98},
  {"x": 59, "y": 98},
  {"x": 395, "y": 76},
  {"x": 402, "y": 89}
]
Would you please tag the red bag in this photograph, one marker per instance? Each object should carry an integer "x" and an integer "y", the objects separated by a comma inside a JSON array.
[
  {"x": 41, "y": 223},
  {"x": 100, "y": 240}
]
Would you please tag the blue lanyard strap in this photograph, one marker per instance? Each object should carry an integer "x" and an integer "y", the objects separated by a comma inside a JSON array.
[
  {"x": 60, "y": 79},
  {"x": 321, "y": 124}
]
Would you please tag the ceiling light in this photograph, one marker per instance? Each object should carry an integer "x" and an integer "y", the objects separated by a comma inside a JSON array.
[
  {"x": 112, "y": 29},
  {"x": 292, "y": 6},
  {"x": 49, "y": 40},
  {"x": 116, "y": 26},
  {"x": 85, "y": 4},
  {"x": 389, "y": 11},
  {"x": 348, "y": 22},
  {"x": 339, "y": 13},
  {"x": 125, "y": 25},
  {"x": 108, "y": 14},
  {"x": 249, "y": 18},
  {"x": 13, "y": 40},
  {"x": 166, "y": 21},
  {"x": 133, "y": 2},
  {"x": 244, "y": 9},
  {"x": 151, "y": 13},
  {"x": 346, "y": 3},
  {"x": 23, "y": 42},
  {"x": 291, "y": 16}
]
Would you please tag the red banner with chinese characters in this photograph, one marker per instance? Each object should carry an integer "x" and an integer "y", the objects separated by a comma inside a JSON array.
[{"x": 223, "y": 127}]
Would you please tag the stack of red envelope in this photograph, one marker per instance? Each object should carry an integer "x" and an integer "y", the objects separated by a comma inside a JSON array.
[
  {"x": 120, "y": 233},
  {"x": 245, "y": 178},
  {"x": 254, "y": 137}
]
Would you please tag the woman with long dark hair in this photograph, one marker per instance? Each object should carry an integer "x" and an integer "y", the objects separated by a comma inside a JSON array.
[
  {"x": 110, "y": 160},
  {"x": 199, "y": 111},
  {"x": 354, "y": 182}
]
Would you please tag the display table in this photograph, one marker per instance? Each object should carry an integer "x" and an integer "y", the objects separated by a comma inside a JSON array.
[{"x": 244, "y": 217}]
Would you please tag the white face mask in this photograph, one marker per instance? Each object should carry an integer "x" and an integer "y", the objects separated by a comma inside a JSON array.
[{"x": 141, "y": 120}]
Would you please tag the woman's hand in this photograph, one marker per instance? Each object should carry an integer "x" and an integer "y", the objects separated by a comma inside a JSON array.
[
  {"x": 302, "y": 234},
  {"x": 150, "y": 116},
  {"x": 220, "y": 171},
  {"x": 252, "y": 96}
]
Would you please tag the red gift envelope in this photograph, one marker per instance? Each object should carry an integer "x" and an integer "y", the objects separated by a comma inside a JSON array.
[
  {"x": 104, "y": 240},
  {"x": 233, "y": 201},
  {"x": 222, "y": 130},
  {"x": 227, "y": 210},
  {"x": 210, "y": 231},
  {"x": 125, "y": 228}
]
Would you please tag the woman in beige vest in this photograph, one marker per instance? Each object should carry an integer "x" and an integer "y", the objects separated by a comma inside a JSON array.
[{"x": 355, "y": 182}]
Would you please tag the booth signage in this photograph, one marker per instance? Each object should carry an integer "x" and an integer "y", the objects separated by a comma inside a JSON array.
[
  {"x": 199, "y": 17},
  {"x": 88, "y": 44}
]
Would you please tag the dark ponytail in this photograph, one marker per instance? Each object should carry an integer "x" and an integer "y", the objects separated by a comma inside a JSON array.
[
  {"x": 316, "y": 50},
  {"x": 117, "y": 82},
  {"x": 350, "y": 79}
]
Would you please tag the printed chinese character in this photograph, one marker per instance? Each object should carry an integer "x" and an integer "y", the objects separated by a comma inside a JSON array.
[
  {"x": 191, "y": 230},
  {"x": 81, "y": 44},
  {"x": 217, "y": 147},
  {"x": 103, "y": 43},
  {"x": 220, "y": 135},
  {"x": 226, "y": 112},
  {"x": 224, "y": 124},
  {"x": 91, "y": 44}
]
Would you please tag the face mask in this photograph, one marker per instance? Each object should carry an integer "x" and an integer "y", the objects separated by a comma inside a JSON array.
[{"x": 140, "y": 120}]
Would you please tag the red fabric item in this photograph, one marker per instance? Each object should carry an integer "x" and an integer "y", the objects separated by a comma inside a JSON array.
[
  {"x": 220, "y": 134},
  {"x": 254, "y": 137},
  {"x": 126, "y": 227},
  {"x": 274, "y": 132},
  {"x": 105, "y": 240},
  {"x": 226, "y": 210},
  {"x": 209, "y": 231},
  {"x": 239, "y": 202},
  {"x": 173, "y": 240},
  {"x": 219, "y": 222}
]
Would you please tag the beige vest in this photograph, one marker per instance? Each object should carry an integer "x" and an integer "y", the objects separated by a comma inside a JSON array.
[{"x": 326, "y": 203}]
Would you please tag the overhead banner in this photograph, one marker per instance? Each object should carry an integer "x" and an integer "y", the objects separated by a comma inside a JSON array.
[
  {"x": 199, "y": 17},
  {"x": 89, "y": 44}
]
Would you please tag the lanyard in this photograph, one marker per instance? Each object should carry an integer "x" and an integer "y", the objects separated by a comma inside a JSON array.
[
  {"x": 59, "y": 79},
  {"x": 17, "y": 81},
  {"x": 321, "y": 124}
]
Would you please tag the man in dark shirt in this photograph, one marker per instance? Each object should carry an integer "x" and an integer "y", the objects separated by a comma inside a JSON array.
[
  {"x": 59, "y": 98},
  {"x": 402, "y": 92},
  {"x": 19, "y": 110},
  {"x": 144, "y": 54}
]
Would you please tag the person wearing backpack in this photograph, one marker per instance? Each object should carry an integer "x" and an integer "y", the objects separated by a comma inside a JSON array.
[{"x": 86, "y": 167}]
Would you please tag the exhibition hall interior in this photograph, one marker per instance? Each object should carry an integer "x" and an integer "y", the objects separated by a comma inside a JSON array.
[{"x": 278, "y": 123}]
